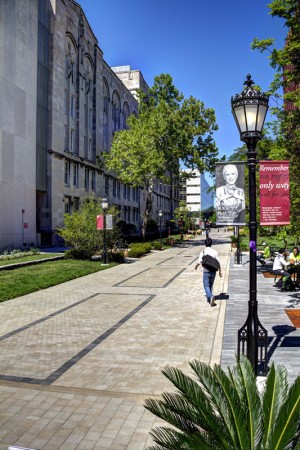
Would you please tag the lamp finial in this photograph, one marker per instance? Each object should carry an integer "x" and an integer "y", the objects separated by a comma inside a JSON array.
[{"x": 248, "y": 82}]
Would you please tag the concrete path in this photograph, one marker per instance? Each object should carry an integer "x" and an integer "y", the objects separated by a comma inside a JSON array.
[
  {"x": 78, "y": 360},
  {"x": 273, "y": 309}
]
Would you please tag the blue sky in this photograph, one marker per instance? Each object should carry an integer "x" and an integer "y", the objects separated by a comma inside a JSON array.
[{"x": 203, "y": 44}]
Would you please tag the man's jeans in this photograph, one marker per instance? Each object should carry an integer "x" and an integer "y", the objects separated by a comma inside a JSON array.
[{"x": 208, "y": 281}]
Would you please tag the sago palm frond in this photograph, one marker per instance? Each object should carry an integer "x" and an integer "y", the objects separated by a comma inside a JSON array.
[
  {"x": 189, "y": 389},
  {"x": 245, "y": 381},
  {"x": 226, "y": 402},
  {"x": 216, "y": 411},
  {"x": 286, "y": 434},
  {"x": 168, "y": 438},
  {"x": 274, "y": 396}
]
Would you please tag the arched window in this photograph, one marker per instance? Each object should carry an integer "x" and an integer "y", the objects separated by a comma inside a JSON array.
[
  {"x": 70, "y": 96},
  {"x": 105, "y": 115},
  {"x": 87, "y": 92},
  {"x": 126, "y": 113},
  {"x": 116, "y": 111}
]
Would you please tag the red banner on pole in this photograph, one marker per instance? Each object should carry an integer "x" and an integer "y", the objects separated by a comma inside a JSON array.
[
  {"x": 100, "y": 222},
  {"x": 274, "y": 193}
]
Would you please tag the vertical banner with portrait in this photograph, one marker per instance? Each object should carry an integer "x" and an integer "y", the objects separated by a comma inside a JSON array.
[
  {"x": 230, "y": 195},
  {"x": 274, "y": 187}
]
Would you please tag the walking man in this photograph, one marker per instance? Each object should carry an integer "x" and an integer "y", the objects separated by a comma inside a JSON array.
[{"x": 209, "y": 271}]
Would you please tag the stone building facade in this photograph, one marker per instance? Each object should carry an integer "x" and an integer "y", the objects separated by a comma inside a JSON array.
[{"x": 67, "y": 104}]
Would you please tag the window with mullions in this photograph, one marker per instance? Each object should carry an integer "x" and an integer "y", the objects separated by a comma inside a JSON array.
[
  {"x": 75, "y": 175},
  {"x": 86, "y": 179},
  {"x": 72, "y": 107},
  {"x": 72, "y": 141},
  {"x": 106, "y": 185},
  {"x": 67, "y": 173},
  {"x": 93, "y": 180},
  {"x": 67, "y": 205},
  {"x": 76, "y": 203}
]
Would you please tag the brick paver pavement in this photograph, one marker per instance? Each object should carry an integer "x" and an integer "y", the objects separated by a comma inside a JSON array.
[{"x": 78, "y": 360}]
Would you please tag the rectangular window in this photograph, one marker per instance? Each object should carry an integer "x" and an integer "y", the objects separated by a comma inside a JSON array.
[
  {"x": 72, "y": 107},
  {"x": 90, "y": 119},
  {"x": 67, "y": 205},
  {"x": 76, "y": 203},
  {"x": 85, "y": 147},
  {"x": 106, "y": 187},
  {"x": 86, "y": 178},
  {"x": 67, "y": 172},
  {"x": 93, "y": 180},
  {"x": 66, "y": 137},
  {"x": 124, "y": 190},
  {"x": 128, "y": 214},
  {"x": 75, "y": 175},
  {"x": 72, "y": 140},
  {"x": 128, "y": 192},
  {"x": 118, "y": 189},
  {"x": 90, "y": 150},
  {"x": 66, "y": 101},
  {"x": 114, "y": 188}
]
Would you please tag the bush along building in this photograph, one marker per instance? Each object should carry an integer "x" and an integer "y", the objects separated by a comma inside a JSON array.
[{"x": 62, "y": 104}]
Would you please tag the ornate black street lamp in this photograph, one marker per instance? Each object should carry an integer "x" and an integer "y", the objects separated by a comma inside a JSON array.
[
  {"x": 104, "y": 206},
  {"x": 249, "y": 109},
  {"x": 160, "y": 214}
]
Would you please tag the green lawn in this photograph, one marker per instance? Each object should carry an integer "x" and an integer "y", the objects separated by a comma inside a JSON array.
[
  {"x": 5, "y": 262},
  {"x": 24, "y": 280}
]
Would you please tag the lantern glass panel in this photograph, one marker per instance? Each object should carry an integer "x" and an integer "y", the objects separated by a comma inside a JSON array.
[
  {"x": 240, "y": 117},
  {"x": 251, "y": 114},
  {"x": 261, "y": 117}
]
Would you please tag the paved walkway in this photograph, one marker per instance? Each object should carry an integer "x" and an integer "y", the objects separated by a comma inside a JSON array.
[{"x": 78, "y": 360}]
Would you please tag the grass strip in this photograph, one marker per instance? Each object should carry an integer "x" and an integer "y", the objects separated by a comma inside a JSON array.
[
  {"x": 25, "y": 280},
  {"x": 5, "y": 262}
]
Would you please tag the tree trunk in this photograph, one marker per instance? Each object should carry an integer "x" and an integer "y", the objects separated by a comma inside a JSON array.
[{"x": 147, "y": 213}]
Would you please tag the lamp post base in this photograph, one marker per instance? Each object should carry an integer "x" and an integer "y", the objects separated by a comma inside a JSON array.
[{"x": 253, "y": 342}]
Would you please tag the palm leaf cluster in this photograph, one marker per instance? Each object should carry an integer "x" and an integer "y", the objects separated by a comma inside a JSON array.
[{"x": 219, "y": 411}]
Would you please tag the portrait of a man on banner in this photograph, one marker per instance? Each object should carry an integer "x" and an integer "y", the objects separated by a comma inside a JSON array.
[{"x": 230, "y": 195}]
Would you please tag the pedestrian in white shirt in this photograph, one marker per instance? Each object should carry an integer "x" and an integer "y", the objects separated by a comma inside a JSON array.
[{"x": 209, "y": 275}]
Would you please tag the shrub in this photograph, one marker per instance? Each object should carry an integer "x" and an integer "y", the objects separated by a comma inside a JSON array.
[
  {"x": 137, "y": 250},
  {"x": 156, "y": 245},
  {"x": 117, "y": 257},
  {"x": 75, "y": 254},
  {"x": 80, "y": 232}
]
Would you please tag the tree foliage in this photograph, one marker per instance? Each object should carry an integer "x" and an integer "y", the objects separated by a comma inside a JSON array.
[
  {"x": 168, "y": 129},
  {"x": 80, "y": 232},
  {"x": 286, "y": 63},
  {"x": 217, "y": 411}
]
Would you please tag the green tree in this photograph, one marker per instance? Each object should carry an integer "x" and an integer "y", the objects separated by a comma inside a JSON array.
[
  {"x": 183, "y": 214},
  {"x": 286, "y": 63},
  {"x": 80, "y": 232},
  {"x": 219, "y": 411},
  {"x": 168, "y": 129}
]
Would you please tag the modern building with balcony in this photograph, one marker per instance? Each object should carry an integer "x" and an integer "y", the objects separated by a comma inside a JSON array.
[{"x": 194, "y": 191}]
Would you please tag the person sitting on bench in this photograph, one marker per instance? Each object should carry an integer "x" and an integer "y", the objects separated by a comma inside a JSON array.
[{"x": 280, "y": 264}]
